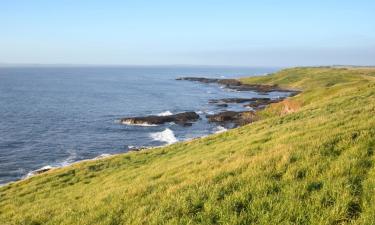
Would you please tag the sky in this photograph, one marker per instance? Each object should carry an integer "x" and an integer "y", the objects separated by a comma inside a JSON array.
[{"x": 194, "y": 32}]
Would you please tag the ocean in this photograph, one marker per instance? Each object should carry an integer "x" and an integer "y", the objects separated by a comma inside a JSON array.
[{"x": 54, "y": 116}]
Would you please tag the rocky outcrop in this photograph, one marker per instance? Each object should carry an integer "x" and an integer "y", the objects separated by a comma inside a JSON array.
[
  {"x": 236, "y": 118},
  {"x": 180, "y": 118},
  {"x": 236, "y": 84},
  {"x": 262, "y": 102},
  {"x": 229, "y": 82},
  {"x": 238, "y": 100}
]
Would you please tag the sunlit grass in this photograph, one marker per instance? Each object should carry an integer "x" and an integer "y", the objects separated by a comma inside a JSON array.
[{"x": 311, "y": 164}]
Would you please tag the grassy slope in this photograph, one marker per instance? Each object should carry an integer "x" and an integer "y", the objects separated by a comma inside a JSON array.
[{"x": 312, "y": 166}]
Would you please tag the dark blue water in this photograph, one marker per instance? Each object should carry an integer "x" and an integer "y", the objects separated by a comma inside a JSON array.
[{"x": 56, "y": 116}]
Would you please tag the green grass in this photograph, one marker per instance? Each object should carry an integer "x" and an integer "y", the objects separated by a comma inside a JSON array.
[{"x": 309, "y": 160}]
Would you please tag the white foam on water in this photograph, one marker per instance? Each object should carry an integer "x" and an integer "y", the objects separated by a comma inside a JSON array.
[
  {"x": 139, "y": 148},
  {"x": 205, "y": 111},
  {"x": 68, "y": 161},
  {"x": 132, "y": 147},
  {"x": 165, "y": 136},
  {"x": 102, "y": 156},
  {"x": 166, "y": 113},
  {"x": 220, "y": 129},
  {"x": 71, "y": 158},
  {"x": 32, "y": 173}
]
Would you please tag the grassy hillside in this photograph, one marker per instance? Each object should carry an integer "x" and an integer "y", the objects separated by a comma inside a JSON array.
[{"x": 309, "y": 160}]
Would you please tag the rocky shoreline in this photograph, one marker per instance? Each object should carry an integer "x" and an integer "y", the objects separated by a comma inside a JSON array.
[
  {"x": 240, "y": 118},
  {"x": 227, "y": 118},
  {"x": 236, "y": 84},
  {"x": 233, "y": 118}
]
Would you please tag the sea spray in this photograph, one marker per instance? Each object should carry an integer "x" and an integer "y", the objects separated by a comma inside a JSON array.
[
  {"x": 220, "y": 129},
  {"x": 165, "y": 136},
  {"x": 166, "y": 113}
]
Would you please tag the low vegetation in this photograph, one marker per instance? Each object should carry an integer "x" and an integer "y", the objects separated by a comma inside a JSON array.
[{"x": 309, "y": 160}]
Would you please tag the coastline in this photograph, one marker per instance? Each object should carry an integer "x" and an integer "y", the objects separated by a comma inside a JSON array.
[{"x": 229, "y": 84}]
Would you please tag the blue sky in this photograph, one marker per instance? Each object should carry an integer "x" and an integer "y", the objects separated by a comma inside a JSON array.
[{"x": 195, "y": 32}]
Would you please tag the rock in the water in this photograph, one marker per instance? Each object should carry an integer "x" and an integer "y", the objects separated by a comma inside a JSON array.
[
  {"x": 180, "y": 118},
  {"x": 236, "y": 84},
  {"x": 222, "y": 105},
  {"x": 226, "y": 116},
  {"x": 237, "y": 100},
  {"x": 237, "y": 118}
]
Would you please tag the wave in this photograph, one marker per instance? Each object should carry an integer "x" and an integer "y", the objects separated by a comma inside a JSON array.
[
  {"x": 165, "y": 136},
  {"x": 220, "y": 129},
  {"x": 69, "y": 160},
  {"x": 102, "y": 156},
  {"x": 133, "y": 147},
  {"x": 38, "y": 171},
  {"x": 166, "y": 113},
  {"x": 205, "y": 111}
]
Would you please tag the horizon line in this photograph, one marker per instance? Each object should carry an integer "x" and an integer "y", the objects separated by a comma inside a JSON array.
[{"x": 169, "y": 65}]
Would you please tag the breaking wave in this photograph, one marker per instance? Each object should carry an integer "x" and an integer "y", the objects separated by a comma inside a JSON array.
[
  {"x": 166, "y": 113},
  {"x": 220, "y": 129},
  {"x": 165, "y": 136}
]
